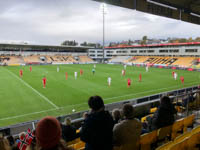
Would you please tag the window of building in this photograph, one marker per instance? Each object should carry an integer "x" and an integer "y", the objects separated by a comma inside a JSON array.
[
  {"x": 135, "y": 51},
  {"x": 150, "y": 51},
  {"x": 163, "y": 51},
  {"x": 174, "y": 51},
  {"x": 191, "y": 50},
  {"x": 142, "y": 51}
]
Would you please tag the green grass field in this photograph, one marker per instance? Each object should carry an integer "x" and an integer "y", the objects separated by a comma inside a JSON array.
[{"x": 25, "y": 99}]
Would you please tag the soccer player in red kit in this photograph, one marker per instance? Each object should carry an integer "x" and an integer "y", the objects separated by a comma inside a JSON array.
[
  {"x": 129, "y": 82},
  {"x": 173, "y": 74},
  {"x": 81, "y": 72},
  {"x": 66, "y": 75},
  {"x": 140, "y": 77},
  {"x": 182, "y": 79},
  {"x": 30, "y": 68},
  {"x": 21, "y": 72},
  {"x": 44, "y": 81}
]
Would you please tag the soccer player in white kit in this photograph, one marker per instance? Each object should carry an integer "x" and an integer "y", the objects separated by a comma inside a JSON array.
[
  {"x": 175, "y": 76},
  {"x": 124, "y": 66},
  {"x": 58, "y": 69},
  {"x": 109, "y": 81},
  {"x": 94, "y": 66},
  {"x": 75, "y": 75},
  {"x": 147, "y": 68}
]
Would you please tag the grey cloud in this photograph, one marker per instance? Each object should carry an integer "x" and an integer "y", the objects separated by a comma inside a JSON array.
[{"x": 53, "y": 21}]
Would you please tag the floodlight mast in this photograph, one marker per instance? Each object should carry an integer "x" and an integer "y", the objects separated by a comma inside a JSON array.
[{"x": 104, "y": 11}]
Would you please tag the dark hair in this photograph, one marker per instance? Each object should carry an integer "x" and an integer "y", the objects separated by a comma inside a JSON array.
[
  {"x": 128, "y": 111},
  {"x": 116, "y": 114},
  {"x": 165, "y": 101},
  {"x": 95, "y": 103}
]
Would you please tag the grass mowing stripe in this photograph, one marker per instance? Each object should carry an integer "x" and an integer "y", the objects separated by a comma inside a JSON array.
[
  {"x": 146, "y": 92},
  {"x": 44, "y": 97},
  {"x": 86, "y": 103}
]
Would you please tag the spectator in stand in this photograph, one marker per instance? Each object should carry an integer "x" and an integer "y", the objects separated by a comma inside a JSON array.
[
  {"x": 85, "y": 115},
  {"x": 126, "y": 134},
  {"x": 4, "y": 144},
  {"x": 48, "y": 135},
  {"x": 116, "y": 114},
  {"x": 164, "y": 115},
  {"x": 97, "y": 127},
  {"x": 11, "y": 140},
  {"x": 69, "y": 131},
  {"x": 32, "y": 146}
]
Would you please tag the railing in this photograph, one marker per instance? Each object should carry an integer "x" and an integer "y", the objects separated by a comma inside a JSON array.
[{"x": 142, "y": 106}]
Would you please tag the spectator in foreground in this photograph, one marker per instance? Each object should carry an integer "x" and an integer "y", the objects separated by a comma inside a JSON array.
[
  {"x": 48, "y": 135},
  {"x": 126, "y": 134},
  {"x": 116, "y": 114},
  {"x": 4, "y": 144},
  {"x": 164, "y": 115},
  {"x": 68, "y": 131},
  {"x": 97, "y": 127}
]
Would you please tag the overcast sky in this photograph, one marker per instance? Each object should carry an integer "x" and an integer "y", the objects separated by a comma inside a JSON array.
[{"x": 53, "y": 21}]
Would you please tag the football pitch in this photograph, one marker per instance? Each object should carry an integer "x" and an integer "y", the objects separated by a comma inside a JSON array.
[{"x": 25, "y": 99}]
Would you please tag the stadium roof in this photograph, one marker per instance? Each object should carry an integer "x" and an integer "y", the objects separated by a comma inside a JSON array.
[
  {"x": 185, "y": 10},
  {"x": 156, "y": 45},
  {"x": 41, "y": 47}
]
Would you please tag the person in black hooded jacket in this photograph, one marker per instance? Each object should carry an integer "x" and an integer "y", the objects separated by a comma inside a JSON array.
[
  {"x": 164, "y": 115},
  {"x": 97, "y": 128}
]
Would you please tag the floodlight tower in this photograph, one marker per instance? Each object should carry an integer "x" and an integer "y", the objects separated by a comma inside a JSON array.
[{"x": 103, "y": 9}]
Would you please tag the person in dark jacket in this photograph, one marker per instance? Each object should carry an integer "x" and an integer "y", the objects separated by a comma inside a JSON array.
[
  {"x": 97, "y": 128},
  {"x": 69, "y": 131},
  {"x": 164, "y": 115}
]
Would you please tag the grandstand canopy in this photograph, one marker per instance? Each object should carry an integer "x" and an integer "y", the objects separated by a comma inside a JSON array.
[
  {"x": 185, "y": 10},
  {"x": 48, "y": 48}
]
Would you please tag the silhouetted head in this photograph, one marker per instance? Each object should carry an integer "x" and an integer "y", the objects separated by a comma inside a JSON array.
[
  {"x": 128, "y": 111},
  {"x": 165, "y": 101},
  {"x": 96, "y": 103}
]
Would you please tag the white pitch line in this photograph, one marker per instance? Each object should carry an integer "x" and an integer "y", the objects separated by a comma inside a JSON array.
[
  {"x": 41, "y": 95},
  {"x": 85, "y": 103},
  {"x": 39, "y": 112}
]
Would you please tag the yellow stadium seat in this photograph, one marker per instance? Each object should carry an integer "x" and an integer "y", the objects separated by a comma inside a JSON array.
[
  {"x": 188, "y": 121},
  {"x": 176, "y": 127},
  {"x": 180, "y": 146},
  {"x": 182, "y": 137},
  {"x": 79, "y": 145},
  {"x": 165, "y": 146},
  {"x": 152, "y": 110},
  {"x": 143, "y": 119},
  {"x": 193, "y": 141},
  {"x": 147, "y": 139},
  {"x": 163, "y": 133},
  {"x": 78, "y": 131},
  {"x": 196, "y": 130},
  {"x": 72, "y": 143}
]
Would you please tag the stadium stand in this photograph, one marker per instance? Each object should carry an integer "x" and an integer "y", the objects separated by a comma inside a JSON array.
[
  {"x": 14, "y": 60},
  {"x": 33, "y": 59},
  {"x": 60, "y": 59},
  {"x": 119, "y": 59},
  {"x": 184, "y": 61},
  {"x": 85, "y": 59},
  {"x": 175, "y": 61}
]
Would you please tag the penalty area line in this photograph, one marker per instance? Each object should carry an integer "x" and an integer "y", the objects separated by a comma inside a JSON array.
[{"x": 41, "y": 95}]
